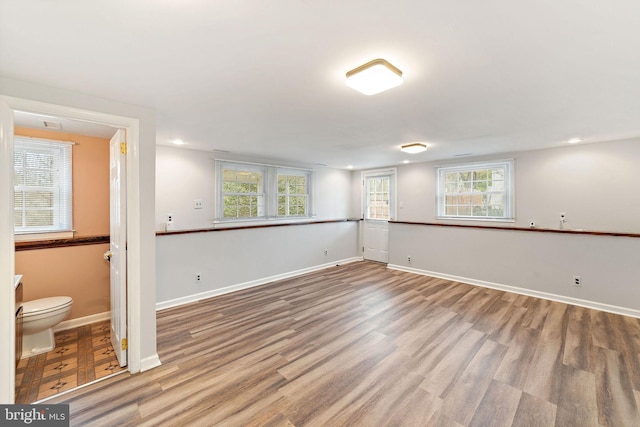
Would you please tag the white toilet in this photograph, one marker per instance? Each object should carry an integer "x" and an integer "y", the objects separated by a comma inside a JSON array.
[{"x": 38, "y": 319}]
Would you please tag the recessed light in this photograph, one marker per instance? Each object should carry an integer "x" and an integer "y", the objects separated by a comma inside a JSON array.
[
  {"x": 374, "y": 77},
  {"x": 178, "y": 142},
  {"x": 414, "y": 148},
  {"x": 575, "y": 140},
  {"x": 350, "y": 167},
  {"x": 405, "y": 161}
]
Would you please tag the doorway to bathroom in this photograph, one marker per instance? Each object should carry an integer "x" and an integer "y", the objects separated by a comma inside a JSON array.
[
  {"x": 95, "y": 327},
  {"x": 84, "y": 264}
]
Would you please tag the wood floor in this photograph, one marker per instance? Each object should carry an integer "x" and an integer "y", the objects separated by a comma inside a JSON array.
[{"x": 360, "y": 345}]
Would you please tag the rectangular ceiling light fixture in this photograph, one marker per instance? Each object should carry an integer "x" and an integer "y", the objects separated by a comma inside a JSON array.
[
  {"x": 414, "y": 148},
  {"x": 374, "y": 77}
]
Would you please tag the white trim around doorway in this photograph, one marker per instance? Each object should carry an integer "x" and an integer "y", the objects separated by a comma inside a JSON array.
[{"x": 8, "y": 105}]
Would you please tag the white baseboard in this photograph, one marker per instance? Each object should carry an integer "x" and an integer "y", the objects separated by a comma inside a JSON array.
[
  {"x": 81, "y": 321},
  {"x": 240, "y": 286},
  {"x": 150, "y": 362},
  {"x": 522, "y": 291}
]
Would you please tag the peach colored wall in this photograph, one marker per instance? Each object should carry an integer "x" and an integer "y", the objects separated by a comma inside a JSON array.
[
  {"x": 79, "y": 271},
  {"x": 76, "y": 271}
]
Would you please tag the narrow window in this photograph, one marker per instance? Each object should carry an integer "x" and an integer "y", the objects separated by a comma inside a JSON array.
[
  {"x": 293, "y": 193},
  {"x": 242, "y": 192},
  {"x": 378, "y": 198}
]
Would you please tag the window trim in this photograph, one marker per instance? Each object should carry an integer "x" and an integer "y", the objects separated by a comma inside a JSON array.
[
  {"x": 221, "y": 194},
  {"x": 392, "y": 173},
  {"x": 308, "y": 202},
  {"x": 63, "y": 209},
  {"x": 509, "y": 189},
  {"x": 270, "y": 182}
]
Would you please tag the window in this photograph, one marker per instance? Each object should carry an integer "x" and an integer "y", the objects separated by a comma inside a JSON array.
[
  {"x": 42, "y": 186},
  {"x": 293, "y": 193},
  {"x": 378, "y": 198},
  {"x": 242, "y": 192},
  {"x": 476, "y": 191},
  {"x": 247, "y": 191}
]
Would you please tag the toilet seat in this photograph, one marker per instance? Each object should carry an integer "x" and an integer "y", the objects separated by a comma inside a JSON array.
[{"x": 45, "y": 305}]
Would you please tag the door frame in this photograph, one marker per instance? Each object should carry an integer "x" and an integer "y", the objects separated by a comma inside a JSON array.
[
  {"x": 393, "y": 172},
  {"x": 8, "y": 105}
]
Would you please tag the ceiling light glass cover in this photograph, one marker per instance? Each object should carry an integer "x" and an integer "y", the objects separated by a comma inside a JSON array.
[
  {"x": 374, "y": 77},
  {"x": 417, "y": 147}
]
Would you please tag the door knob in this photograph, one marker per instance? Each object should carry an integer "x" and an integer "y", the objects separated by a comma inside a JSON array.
[{"x": 107, "y": 255}]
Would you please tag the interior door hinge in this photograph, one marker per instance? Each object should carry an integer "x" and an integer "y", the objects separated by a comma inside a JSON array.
[
  {"x": 363, "y": 249},
  {"x": 123, "y": 147},
  {"x": 125, "y": 345}
]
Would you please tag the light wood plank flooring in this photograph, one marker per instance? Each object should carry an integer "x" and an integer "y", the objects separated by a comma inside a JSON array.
[{"x": 360, "y": 345}]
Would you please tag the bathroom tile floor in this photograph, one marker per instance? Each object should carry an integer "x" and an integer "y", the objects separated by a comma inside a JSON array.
[{"x": 82, "y": 355}]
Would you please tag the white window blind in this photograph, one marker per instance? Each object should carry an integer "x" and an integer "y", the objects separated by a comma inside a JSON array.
[{"x": 42, "y": 185}]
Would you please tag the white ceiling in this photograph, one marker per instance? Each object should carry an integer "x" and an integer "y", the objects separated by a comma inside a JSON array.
[
  {"x": 37, "y": 121},
  {"x": 266, "y": 78}
]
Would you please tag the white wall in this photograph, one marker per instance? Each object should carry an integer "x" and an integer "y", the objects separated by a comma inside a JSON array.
[
  {"x": 183, "y": 175},
  {"x": 594, "y": 184},
  {"x": 142, "y": 198},
  {"x": 235, "y": 259},
  {"x": 539, "y": 264}
]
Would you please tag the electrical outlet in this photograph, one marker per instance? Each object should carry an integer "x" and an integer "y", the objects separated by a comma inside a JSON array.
[
  {"x": 198, "y": 277},
  {"x": 326, "y": 252},
  {"x": 409, "y": 259},
  {"x": 198, "y": 204},
  {"x": 577, "y": 281}
]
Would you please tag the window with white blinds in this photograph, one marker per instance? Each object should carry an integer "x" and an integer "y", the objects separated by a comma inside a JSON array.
[{"x": 42, "y": 185}]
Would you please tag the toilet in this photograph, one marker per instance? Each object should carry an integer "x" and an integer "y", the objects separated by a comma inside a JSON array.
[{"x": 38, "y": 320}]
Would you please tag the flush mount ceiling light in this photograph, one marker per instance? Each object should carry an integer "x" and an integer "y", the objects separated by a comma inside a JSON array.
[
  {"x": 414, "y": 148},
  {"x": 574, "y": 140},
  {"x": 374, "y": 77}
]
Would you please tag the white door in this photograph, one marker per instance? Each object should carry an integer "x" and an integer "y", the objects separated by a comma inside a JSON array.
[
  {"x": 118, "y": 245},
  {"x": 379, "y": 208}
]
